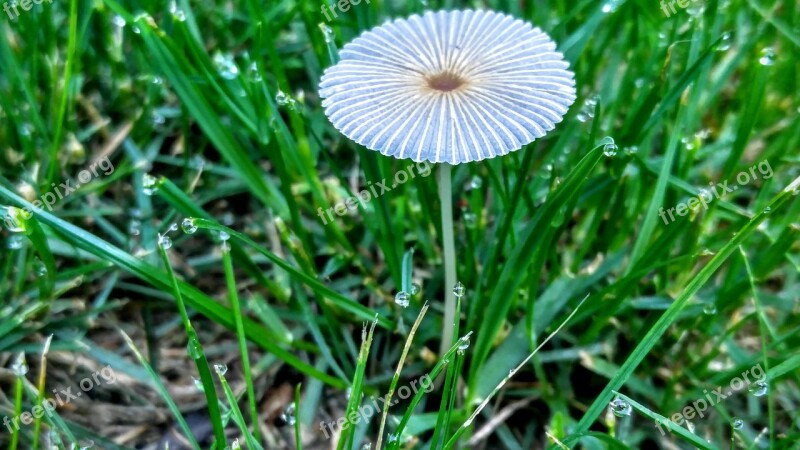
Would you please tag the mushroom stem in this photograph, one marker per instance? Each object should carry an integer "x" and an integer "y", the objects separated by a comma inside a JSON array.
[{"x": 448, "y": 244}]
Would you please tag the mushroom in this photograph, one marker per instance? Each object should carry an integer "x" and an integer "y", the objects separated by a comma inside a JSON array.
[{"x": 448, "y": 87}]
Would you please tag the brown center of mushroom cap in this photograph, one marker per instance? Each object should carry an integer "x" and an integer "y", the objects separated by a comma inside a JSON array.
[{"x": 445, "y": 82}]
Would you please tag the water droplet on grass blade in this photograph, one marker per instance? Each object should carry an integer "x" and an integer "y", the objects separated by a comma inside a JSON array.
[
  {"x": 620, "y": 407},
  {"x": 221, "y": 369},
  {"x": 188, "y": 226},
  {"x": 198, "y": 383},
  {"x": 710, "y": 309},
  {"x": 470, "y": 219},
  {"x": 149, "y": 184},
  {"x": 402, "y": 299},
  {"x": 476, "y": 182},
  {"x": 288, "y": 415},
  {"x": 459, "y": 290},
  {"x": 16, "y": 242},
  {"x": 392, "y": 438},
  {"x": 414, "y": 289},
  {"x": 118, "y": 21},
  {"x": 135, "y": 227},
  {"x": 20, "y": 367},
  {"x": 226, "y": 66},
  {"x": 255, "y": 76},
  {"x": 767, "y": 57},
  {"x": 164, "y": 242},
  {"x": 463, "y": 345},
  {"x": 193, "y": 349},
  {"x": 610, "y": 150},
  {"x": 39, "y": 268},
  {"x": 327, "y": 32},
  {"x": 176, "y": 12},
  {"x": 759, "y": 388},
  {"x": 737, "y": 423}
]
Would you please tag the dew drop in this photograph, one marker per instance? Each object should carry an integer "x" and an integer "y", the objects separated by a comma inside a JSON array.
[
  {"x": 221, "y": 369},
  {"x": 255, "y": 76},
  {"x": 16, "y": 242},
  {"x": 690, "y": 426},
  {"x": 158, "y": 119},
  {"x": 164, "y": 242},
  {"x": 327, "y": 32},
  {"x": 284, "y": 99},
  {"x": 759, "y": 388},
  {"x": 470, "y": 219},
  {"x": 587, "y": 111},
  {"x": 710, "y": 309},
  {"x": 149, "y": 184},
  {"x": 463, "y": 345},
  {"x": 725, "y": 43},
  {"x": 288, "y": 415},
  {"x": 176, "y": 12},
  {"x": 367, "y": 446},
  {"x": 20, "y": 367},
  {"x": 188, "y": 226},
  {"x": 236, "y": 445},
  {"x": 135, "y": 227},
  {"x": 139, "y": 18},
  {"x": 767, "y": 210},
  {"x": 118, "y": 21},
  {"x": 620, "y": 407},
  {"x": 414, "y": 289},
  {"x": 223, "y": 236},
  {"x": 476, "y": 182},
  {"x": 402, "y": 299},
  {"x": 193, "y": 349},
  {"x": 737, "y": 423},
  {"x": 198, "y": 383},
  {"x": 392, "y": 438},
  {"x": 15, "y": 220},
  {"x": 39, "y": 268},
  {"x": 459, "y": 289},
  {"x": 609, "y": 146},
  {"x": 767, "y": 57},
  {"x": 226, "y": 66}
]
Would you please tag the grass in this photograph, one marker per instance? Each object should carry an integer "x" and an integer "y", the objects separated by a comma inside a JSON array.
[{"x": 208, "y": 111}]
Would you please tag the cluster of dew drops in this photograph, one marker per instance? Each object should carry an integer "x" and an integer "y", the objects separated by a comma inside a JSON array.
[
  {"x": 403, "y": 298},
  {"x": 621, "y": 408}
]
